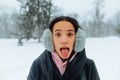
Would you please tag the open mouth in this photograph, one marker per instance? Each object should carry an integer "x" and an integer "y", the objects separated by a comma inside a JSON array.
[{"x": 64, "y": 52}]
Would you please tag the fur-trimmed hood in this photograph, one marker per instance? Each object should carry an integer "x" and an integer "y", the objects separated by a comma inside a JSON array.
[{"x": 79, "y": 43}]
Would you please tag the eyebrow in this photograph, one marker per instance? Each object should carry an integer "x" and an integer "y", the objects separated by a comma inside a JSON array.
[
  {"x": 60, "y": 30},
  {"x": 57, "y": 30},
  {"x": 71, "y": 30}
]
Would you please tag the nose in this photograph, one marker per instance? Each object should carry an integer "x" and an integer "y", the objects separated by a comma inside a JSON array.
[{"x": 64, "y": 40}]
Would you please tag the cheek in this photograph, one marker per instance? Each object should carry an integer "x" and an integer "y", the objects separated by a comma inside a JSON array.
[
  {"x": 55, "y": 43},
  {"x": 73, "y": 40},
  {"x": 72, "y": 43}
]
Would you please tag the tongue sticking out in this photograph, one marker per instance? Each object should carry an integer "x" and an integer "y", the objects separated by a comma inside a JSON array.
[{"x": 64, "y": 52}]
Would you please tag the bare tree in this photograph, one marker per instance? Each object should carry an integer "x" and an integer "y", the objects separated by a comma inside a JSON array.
[
  {"x": 96, "y": 24},
  {"x": 117, "y": 23},
  {"x": 8, "y": 27},
  {"x": 5, "y": 24}
]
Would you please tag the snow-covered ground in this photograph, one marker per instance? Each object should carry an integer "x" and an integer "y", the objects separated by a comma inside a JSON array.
[{"x": 15, "y": 61}]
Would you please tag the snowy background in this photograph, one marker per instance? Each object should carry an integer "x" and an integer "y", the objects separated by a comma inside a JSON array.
[{"x": 15, "y": 61}]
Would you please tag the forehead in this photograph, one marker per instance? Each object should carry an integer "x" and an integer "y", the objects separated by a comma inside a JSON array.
[{"x": 63, "y": 25}]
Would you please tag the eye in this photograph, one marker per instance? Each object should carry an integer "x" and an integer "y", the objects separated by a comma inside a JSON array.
[
  {"x": 58, "y": 34},
  {"x": 70, "y": 34}
]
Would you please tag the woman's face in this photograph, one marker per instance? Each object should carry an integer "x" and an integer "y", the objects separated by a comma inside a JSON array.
[{"x": 63, "y": 38}]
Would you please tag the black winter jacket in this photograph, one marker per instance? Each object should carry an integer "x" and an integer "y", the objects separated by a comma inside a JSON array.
[{"x": 80, "y": 68}]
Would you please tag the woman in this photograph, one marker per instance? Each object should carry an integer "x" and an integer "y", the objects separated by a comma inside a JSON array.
[{"x": 64, "y": 57}]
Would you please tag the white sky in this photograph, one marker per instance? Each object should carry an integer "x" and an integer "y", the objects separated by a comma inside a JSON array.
[
  {"x": 75, "y": 6},
  {"x": 10, "y": 3},
  {"x": 83, "y": 6}
]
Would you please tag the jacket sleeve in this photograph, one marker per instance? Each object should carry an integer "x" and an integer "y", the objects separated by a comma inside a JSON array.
[
  {"x": 32, "y": 72},
  {"x": 92, "y": 72}
]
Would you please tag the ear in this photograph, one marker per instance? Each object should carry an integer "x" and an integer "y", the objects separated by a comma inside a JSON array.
[
  {"x": 80, "y": 40},
  {"x": 47, "y": 40}
]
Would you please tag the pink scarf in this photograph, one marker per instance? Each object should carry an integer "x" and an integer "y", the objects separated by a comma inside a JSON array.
[{"x": 59, "y": 63}]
